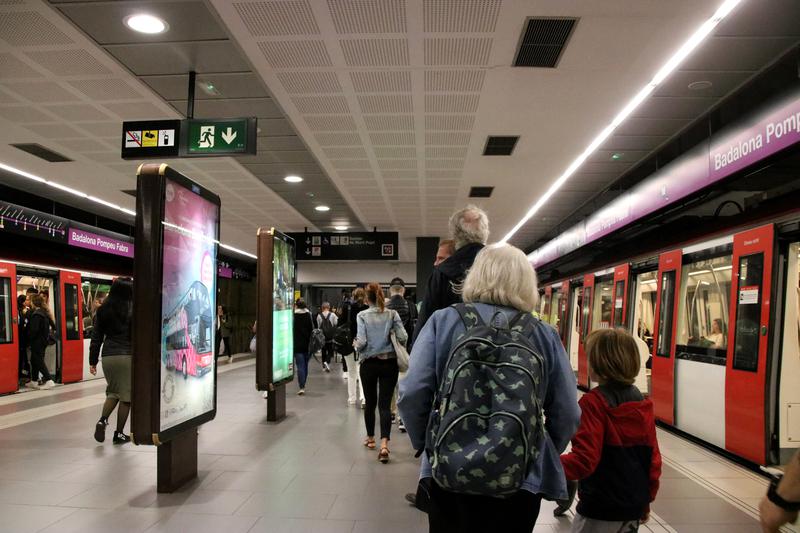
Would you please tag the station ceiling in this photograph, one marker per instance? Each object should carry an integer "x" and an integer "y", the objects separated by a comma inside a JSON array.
[{"x": 382, "y": 106}]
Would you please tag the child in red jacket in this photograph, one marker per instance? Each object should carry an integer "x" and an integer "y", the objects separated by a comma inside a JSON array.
[{"x": 615, "y": 453}]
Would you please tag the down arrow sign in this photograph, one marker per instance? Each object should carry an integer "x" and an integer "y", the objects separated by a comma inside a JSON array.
[{"x": 228, "y": 135}]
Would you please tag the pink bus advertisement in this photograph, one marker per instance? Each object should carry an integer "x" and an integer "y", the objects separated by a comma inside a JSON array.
[{"x": 188, "y": 295}]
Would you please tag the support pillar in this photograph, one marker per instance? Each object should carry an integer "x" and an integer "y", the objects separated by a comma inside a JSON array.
[
  {"x": 177, "y": 461},
  {"x": 276, "y": 403}
]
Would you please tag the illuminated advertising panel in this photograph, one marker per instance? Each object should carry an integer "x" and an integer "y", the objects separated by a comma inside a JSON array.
[
  {"x": 282, "y": 309},
  {"x": 188, "y": 304}
]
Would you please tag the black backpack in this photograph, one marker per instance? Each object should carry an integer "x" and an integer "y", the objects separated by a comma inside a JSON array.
[
  {"x": 343, "y": 340},
  {"x": 327, "y": 327},
  {"x": 484, "y": 430}
]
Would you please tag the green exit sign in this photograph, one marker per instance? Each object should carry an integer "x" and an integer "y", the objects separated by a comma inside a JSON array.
[{"x": 219, "y": 136}]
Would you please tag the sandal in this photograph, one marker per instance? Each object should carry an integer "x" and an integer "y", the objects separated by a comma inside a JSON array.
[
  {"x": 369, "y": 442},
  {"x": 383, "y": 455}
]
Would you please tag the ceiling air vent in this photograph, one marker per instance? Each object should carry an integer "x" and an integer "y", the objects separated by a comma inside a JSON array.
[
  {"x": 480, "y": 192},
  {"x": 543, "y": 42},
  {"x": 500, "y": 145},
  {"x": 41, "y": 152}
]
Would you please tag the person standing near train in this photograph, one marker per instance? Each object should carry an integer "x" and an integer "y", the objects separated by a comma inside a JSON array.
[
  {"x": 39, "y": 327},
  {"x": 112, "y": 332}
]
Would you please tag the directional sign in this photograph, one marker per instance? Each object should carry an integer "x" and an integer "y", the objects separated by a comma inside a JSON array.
[
  {"x": 219, "y": 136},
  {"x": 354, "y": 246},
  {"x": 150, "y": 138}
]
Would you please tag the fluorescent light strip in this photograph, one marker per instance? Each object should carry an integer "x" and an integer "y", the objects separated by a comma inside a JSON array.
[
  {"x": 672, "y": 63},
  {"x": 95, "y": 199}
]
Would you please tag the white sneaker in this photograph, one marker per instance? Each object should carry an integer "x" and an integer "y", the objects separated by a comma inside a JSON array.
[
  {"x": 301, "y": 392},
  {"x": 265, "y": 395},
  {"x": 49, "y": 384},
  {"x": 32, "y": 384},
  {"x": 351, "y": 402},
  {"x": 344, "y": 377},
  {"x": 326, "y": 367}
]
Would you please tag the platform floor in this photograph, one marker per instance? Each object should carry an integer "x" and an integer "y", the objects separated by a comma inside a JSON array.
[{"x": 308, "y": 473}]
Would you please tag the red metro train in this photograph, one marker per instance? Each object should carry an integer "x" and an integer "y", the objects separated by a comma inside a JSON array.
[{"x": 721, "y": 319}]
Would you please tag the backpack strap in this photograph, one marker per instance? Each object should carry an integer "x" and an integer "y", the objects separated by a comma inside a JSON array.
[
  {"x": 469, "y": 315},
  {"x": 524, "y": 323}
]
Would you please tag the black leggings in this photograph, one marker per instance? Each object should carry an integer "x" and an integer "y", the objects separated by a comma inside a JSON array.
[
  {"x": 38, "y": 365},
  {"x": 327, "y": 352},
  {"x": 464, "y": 513},
  {"x": 379, "y": 378}
]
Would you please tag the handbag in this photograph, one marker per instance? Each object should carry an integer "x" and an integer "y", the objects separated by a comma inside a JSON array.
[{"x": 401, "y": 352}]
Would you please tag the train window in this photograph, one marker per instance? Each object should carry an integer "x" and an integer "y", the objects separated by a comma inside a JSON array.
[
  {"x": 703, "y": 310},
  {"x": 71, "y": 302},
  {"x": 94, "y": 293},
  {"x": 6, "y": 311},
  {"x": 748, "y": 312},
  {"x": 666, "y": 318},
  {"x": 645, "y": 306},
  {"x": 603, "y": 306},
  {"x": 555, "y": 310},
  {"x": 544, "y": 306},
  {"x": 619, "y": 300},
  {"x": 587, "y": 306}
]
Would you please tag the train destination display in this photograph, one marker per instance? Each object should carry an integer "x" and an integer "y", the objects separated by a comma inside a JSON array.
[
  {"x": 188, "y": 301},
  {"x": 283, "y": 276}
]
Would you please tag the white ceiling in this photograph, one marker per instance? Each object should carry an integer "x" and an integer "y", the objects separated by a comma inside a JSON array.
[
  {"x": 58, "y": 89},
  {"x": 394, "y": 99}
]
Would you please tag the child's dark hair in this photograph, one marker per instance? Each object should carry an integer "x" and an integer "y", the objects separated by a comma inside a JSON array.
[{"x": 613, "y": 355}]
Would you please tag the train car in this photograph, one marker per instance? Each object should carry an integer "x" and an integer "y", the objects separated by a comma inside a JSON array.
[
  {"x": 188, "y": 342},
  {"x": 72, "y": 297},
  {"x": 720, "y": 318}
]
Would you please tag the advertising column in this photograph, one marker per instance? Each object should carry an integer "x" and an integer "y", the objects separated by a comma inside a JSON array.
[
  {"x": 174, "y": 373},
  {"x": 275, "y": 327}
]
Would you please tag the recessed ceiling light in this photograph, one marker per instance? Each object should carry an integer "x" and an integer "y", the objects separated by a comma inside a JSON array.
[
  {"x": 340, "y": 228},
  {"x": 700, "y": 85},
  {"x": 322, "y": 208},
  {"x": 209, "y": 88},
  {"x": 293, "y": 179},
  {"x": 144, "y": 23},
  {"x": 616, "y": 156}
]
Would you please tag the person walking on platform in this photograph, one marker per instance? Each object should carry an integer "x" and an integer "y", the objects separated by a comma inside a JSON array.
[
  {"x": 112, "y": 332},
  {"x": 615, "y": 441},
  {"x": 39, "y": 327},
  {"x": 354, "y": 385},
  {"x": 408, "y": 314},
  {"x": 302, "y": 338},
  {"x": 327, "y": 322},
  {"x": 490, "y": 358},
  {"x": 469, "y": 228},
  {"x": 223, "y": 337},
  {"x": 378, "y": 364}
]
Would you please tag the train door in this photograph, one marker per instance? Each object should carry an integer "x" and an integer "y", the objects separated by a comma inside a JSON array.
[
  {"x": 44, "y": 283},
  {"x": 574, "y": 332},
  {"x": 555, "y": 305},
  {"x": 585, "y": 325},
  {"x": 70, "y": 324},
  {"x": 9, "y": 333},
  {"x": 663, "y": 374},
  {"x": 789, "y": 392},
  {"x": 94, "y": 290},
  {"x": 642, "y": 323},
  {"x": 544, "y": 304},
  {"x": 563, "y": 305},
  {"x": 619, "y": 295},
  {"x": 745, "y": 384}
]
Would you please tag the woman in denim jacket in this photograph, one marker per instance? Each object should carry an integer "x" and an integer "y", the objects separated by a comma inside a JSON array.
[{"x": 378, "y": 364}]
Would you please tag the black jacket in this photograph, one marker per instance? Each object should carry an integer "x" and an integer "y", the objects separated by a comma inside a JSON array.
[
  {"x": 302, "y": 330},
  {"x": 355, "y": 308},
  {"x": 112, "y": 334},
  {"x": 38, "y": 329},
  {"x": 440, "y": 292}
]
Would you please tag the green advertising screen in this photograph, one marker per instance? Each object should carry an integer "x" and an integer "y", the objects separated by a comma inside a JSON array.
[{"x": 283, "y": 276}]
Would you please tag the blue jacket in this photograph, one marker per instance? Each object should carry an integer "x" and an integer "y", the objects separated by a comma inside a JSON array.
[
  {"x": 374, "y": 327},
  {"x": 558, "y": 390}
]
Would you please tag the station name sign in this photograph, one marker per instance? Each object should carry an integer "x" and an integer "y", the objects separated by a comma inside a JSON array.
[
  {"x": 144, "y": 139},
  {"x": 353, "y": 246}
]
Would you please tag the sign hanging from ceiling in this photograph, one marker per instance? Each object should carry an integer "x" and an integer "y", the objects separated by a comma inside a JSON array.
[
  {"x": 354, "y": 246},
  {"x": 143, "y": 139},
  {"x": 214, "y": 136},
  {"x": 146, "y": 139}
]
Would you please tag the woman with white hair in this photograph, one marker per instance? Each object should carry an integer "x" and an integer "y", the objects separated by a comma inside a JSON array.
[{"x": 501, "y": 288}]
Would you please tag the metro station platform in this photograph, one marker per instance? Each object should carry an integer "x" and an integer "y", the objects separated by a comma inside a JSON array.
[{"x": 308, "y": 473}]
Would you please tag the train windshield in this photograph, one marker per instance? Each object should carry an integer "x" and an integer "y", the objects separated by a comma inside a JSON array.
[{"x": 703, "y": 310}]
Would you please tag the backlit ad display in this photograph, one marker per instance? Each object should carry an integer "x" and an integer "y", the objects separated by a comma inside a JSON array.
[
  {"x": 283, "y": 278},
  {"x": 188, "y": 304}
]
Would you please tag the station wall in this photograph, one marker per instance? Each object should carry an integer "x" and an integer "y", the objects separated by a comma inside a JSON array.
[{"x": 354, "y": 272}]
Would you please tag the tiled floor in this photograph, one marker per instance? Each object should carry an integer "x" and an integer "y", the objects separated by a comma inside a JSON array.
[{"x": 308, "y": 473}]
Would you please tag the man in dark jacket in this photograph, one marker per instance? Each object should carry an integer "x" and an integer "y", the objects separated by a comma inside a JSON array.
[
  {"x": 397, "y": 301},
  {"x": 469, "y": 228}
]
